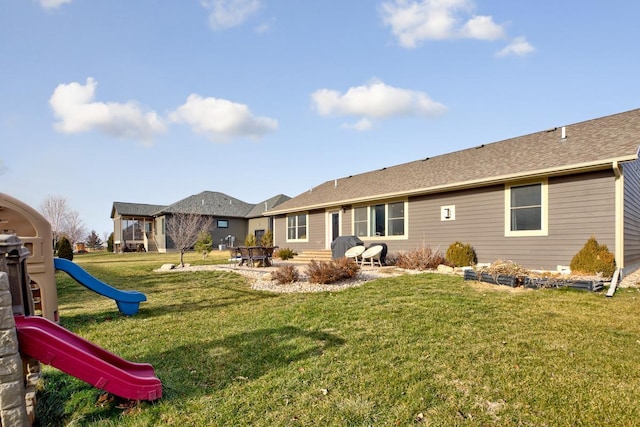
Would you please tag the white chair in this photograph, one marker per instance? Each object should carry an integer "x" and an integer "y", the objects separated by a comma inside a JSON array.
[
  {"x": 354, "y": 252},
  {"x": 372, "y": 255}
]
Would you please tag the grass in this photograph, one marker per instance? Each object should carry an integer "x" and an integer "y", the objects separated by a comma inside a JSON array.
[{"x": 421, "y": 349}]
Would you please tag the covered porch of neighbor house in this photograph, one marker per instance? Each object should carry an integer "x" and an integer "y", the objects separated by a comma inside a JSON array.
[{"x": 134, "y": 234}]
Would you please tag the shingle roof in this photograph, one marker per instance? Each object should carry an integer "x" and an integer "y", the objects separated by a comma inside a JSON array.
[
  {"x": 264, "y": 206},
  {"x": 134, "y": 209},
  {"x": 589, "y": 144},
  {"x": 209, "y": 203}
]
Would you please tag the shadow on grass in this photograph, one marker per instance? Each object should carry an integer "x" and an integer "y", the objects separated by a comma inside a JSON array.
[
  {"x": 227, "y": 296},
  {"x": 188, "y": 371},
  {"x": 204, "y": 368}
]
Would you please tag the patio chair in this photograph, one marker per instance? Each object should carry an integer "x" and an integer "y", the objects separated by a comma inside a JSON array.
[
  {"x": 234, "y": 256},
  {"x": 372, "y": 255},
  {"x": 355, "y": 253},
  {"x": 259, "y": 255}
]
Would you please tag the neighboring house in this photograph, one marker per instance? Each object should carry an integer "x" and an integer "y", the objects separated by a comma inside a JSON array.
[
  {"x": 133, "y": 224},
  {"x": 535, "y": 199},
  {"x": 260, "y": 224},
  {"x": 140, "y": 225}
]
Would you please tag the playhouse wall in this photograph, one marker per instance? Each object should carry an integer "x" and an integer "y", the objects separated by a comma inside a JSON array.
[{"x": 35, "y": 233}]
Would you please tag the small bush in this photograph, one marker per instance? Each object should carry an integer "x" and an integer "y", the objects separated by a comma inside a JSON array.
[
  {"x": 593, "y": 259},
  {"x": 250, "y": 240},
  {"x": 461, "y": 255},
  {"x": 332, "y": 271},
  {"x": 267, "y": 239},
  {"x": 204, "y": 243},
  {"x": 286, "y": 274},
  {"x": 284, "y": 254},
  {"x": 420, "y": 259},
  {"x": 64, "y": 249}
]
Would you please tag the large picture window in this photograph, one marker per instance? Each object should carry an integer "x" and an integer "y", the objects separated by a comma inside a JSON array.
[
  {"x": 297, "y": 227},
  {"x": 380, "y": 220},
  {"x": 526, "y": 210}
]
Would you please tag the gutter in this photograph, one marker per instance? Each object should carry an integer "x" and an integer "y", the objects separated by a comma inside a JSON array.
[
  {"x": 548, "y": 172},
  {"x": 619, "y": 214}
]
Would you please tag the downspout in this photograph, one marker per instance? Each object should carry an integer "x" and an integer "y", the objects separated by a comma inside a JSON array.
[{"x": 619, "y": 214}]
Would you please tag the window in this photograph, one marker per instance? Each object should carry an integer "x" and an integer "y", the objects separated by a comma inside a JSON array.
[
  {"x": 526, "y": 210},
  {"x": 380, "y": 220},
  {"x": 222, "y": 223},
  {"x": 297, "y": 227}
]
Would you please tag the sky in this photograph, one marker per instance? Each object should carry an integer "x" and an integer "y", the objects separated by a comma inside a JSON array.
[{"x": 152, "y": 101}]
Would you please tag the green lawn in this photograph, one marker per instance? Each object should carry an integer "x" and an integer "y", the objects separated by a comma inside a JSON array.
[{"x": 421, "y": 349}]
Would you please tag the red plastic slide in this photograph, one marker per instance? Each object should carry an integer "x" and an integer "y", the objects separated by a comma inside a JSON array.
[{"x": 53, "y": 345}]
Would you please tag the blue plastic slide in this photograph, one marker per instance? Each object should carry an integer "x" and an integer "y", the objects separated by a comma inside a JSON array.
[{"x": 128, "y": 301}]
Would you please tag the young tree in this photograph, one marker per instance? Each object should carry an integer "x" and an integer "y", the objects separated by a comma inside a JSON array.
[
  {"x": 183, "y": 229},
  {"x": 204, "y": 243},
  {"x": 110, "y": 243},
  {"x": 94, "y": 241}
]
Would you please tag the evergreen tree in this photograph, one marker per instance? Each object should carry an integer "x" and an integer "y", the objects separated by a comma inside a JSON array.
[
  {"x": 204, "y": 243},
  {"x": 64, "y": 249},
  {"x": 93, "y": 241},
  {"x": 110, "y": 243}
]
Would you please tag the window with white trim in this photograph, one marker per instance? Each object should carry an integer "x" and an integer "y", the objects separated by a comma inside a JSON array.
[
  {"x": 380, "y": 220},
  {"x": 526, "y": 209},
  {"x": 297, "y": 227}
]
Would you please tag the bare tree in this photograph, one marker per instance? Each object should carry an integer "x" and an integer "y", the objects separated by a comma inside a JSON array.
[
  {"x": 183, "y": 229},
  {"x": 64, "y": 221},
  {"x": 55, "y": 209},
  {"x": 75, "y": 230}
]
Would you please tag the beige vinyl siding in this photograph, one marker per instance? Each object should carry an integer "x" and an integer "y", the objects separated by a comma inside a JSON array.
[
  {"x": 631, "y": 173},
  {"x": 578, "y": 207},
  {"x": 316, "y": 221},
  {"x": 347, "y": 223}
]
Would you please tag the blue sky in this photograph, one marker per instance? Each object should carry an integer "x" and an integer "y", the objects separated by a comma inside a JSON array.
[{"x": 152, "y": 101}]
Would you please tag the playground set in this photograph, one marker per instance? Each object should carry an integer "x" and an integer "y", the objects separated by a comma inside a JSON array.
[{"x": 27, "y": 271}]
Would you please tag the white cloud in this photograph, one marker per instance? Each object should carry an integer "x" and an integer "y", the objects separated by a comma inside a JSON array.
[
  {"x": 482, "y": 28},
  {"x": 361, "y": 125},
  {"x": 220, "y": 119},
  {"x": 52, "y": 4},
  {"x": 518, "y": 46},
  {"x": 73, "y": 104},
  {"x": 226, "y": 14},
  {"x": 414, "y": 21},
  {"x": 376, "y": 100}
]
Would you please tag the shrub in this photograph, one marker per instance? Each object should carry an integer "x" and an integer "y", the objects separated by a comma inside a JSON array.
[
  {"x": 64, "y": 249},
  {"x": 593, "y": 259},
  {"x": 284, "y": 254},
  {"x": 461, "y": 255},
  {"x": 204, "y": 243},
  {"x": 332, "y": 271},
  {"x": 420, "y": 259},
  {"x": 110, "y": 243},
  {"x": 286, "y": 274},
  {"x": 267, "y": 239},
  {"x": 250, "y": 240}
]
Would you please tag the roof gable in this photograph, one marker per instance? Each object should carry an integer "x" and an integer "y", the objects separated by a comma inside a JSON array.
[
  {"x": 266, "y": 205},
  {"x": 209, "y": 203},
  {"x": 587, "y": 144},
  {"x": 134, "y": 209}
]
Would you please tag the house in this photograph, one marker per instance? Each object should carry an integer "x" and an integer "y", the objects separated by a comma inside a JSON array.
[
  {"x": 534, "y": 199},
  {"x": 139, "y": 225}
]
